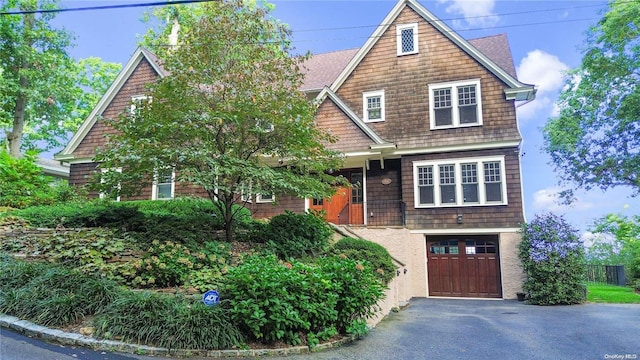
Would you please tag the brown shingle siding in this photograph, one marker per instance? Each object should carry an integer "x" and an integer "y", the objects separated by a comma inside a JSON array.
[{"x": 405, "y": 80}]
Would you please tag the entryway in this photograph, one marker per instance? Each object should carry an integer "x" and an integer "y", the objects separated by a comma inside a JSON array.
[
  {"x": 346, "y": 206},
  {"x": 464, "y": 266}
]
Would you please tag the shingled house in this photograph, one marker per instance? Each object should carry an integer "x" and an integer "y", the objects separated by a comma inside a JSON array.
[{"x": 427, "y": 123}]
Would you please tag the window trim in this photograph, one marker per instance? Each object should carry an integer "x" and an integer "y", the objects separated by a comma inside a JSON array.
[
  {"x": 455, "y": 114},
  {"x": 136, "y": 99},
  {"x": 479, "y": 161},
  {"x": 102, "y": 195},
  {"x": 260, "y": 200},
  {"x": 399, "y": 29},
  {"x": 154, "y": 187},
  {"x": 365, "y": 112}
]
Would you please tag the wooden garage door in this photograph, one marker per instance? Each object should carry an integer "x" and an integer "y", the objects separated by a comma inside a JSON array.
[{"x": 464, "y": 266}]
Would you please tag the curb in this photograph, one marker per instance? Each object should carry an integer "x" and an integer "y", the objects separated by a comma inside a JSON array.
[{"x": 73, "y": 339}]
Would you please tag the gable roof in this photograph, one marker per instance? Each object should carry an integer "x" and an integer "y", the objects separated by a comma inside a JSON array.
[
  {"x": 496, "y": 48},
  {"x": 322, "y": 69},
  {"x": 517, "y": 91},
  {"x": 140, "y": 54}
]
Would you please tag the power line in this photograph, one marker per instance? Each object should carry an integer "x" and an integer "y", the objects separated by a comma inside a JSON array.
[{"x": 103, "y": 7}]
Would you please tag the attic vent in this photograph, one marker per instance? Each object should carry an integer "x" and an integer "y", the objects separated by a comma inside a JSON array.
[{"x": 407, "y": 39}]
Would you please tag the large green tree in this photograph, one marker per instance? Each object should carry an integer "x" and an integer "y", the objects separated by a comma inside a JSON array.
[
  {"x": 617, "y": 241},
  {"x": 230, "y": 117},
  {"x": 44, "y": 93},
  {"x": 595, "y": 140}
]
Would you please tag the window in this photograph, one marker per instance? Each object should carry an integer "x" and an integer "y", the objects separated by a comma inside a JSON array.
[
  {"x": 357, "y": 195},
  {"x": 137, "y": 102},
  {"x": 457, "y": 182},
  {"x": 407, "y": 39},
  {"x": 113, "y": 193},
  {"x": 163, "y": 186},
  {"x": 265, "y": 198},
  {"x": 455, "y": 104},
  {"x": 373, "y": 106}
]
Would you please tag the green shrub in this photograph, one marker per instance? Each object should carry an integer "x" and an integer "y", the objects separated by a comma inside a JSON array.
[
  {"x": 172, "y": 264},
  {"x": 292, "y": 235},
  {"x": 22, "y": 183},
  {"x": 52, "y": 295},
  {"x": 358, "y": 292},
  {"x": 167, "y": 321},
  {"x": 552, "y": 256},
  {"x": 276, "y": 301},
  {"x": 183, "y": 220},
  {"x": 376, "y": 255}
]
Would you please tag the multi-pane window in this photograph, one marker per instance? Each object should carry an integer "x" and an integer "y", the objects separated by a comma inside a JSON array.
[
  {"x": 493, "y": 181},
  {"x": 357, "y": 195},
  {"x": 469, "y": 182},
  {"x": 114, "y": 192},
  {"x": 468, "y": 104},
  {"x": 448, "y": 184},
  {"x": 264, "y": 198},
  {"x": 425, "y": 184},
  {"x": 407, "y": 41},
  {"x": 442, "y": 106},
  {"x": 163, "y": 186},
  {"x": 138, "y": 102},
  {"x": 373, "y": 106},
  {"x": 455, "y": 104},
  {"x": 460, "y": 182}
]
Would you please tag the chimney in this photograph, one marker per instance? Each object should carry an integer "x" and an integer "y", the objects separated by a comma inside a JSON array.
[{"x": 173, "y": 37}]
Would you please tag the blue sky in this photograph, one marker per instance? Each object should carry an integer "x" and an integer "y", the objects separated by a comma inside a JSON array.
[{"x": 545, "y": 37}]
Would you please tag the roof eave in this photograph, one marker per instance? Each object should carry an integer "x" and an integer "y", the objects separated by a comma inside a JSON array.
[{"x": 523, "y": 93}]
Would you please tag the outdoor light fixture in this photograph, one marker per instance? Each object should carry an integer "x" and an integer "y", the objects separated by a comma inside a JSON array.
[{"x": 459, "y": 218}]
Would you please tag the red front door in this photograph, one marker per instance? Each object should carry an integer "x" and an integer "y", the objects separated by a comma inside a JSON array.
[{"x": 346, "y": 205}]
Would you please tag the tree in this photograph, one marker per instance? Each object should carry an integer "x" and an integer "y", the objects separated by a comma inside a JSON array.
[
  {"x": 45, "y": 94},
  {"x": 230, "y": 118},
  {"x": 595, "y": 140},
  {"x": 617, "y": 241}
]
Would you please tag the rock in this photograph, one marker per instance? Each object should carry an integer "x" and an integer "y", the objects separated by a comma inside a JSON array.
[{"x": 87, "y": 331}]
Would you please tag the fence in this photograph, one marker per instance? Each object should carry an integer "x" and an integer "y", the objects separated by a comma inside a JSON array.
[{"x": 609, "y": 274}]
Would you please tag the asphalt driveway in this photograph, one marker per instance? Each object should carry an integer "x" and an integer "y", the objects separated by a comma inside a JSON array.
[{"x": 496, "y": 329}]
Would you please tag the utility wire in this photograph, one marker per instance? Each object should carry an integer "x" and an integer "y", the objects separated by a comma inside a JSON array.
[{"x": 103, "y": 7}]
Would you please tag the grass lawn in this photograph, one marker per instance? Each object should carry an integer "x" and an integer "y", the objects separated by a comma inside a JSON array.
[{"x": 603, "y": 293}]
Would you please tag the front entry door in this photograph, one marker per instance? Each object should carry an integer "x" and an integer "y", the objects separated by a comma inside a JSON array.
[
  {"x": 346, "y": 205},
  {"x": 464, "y": 266}
]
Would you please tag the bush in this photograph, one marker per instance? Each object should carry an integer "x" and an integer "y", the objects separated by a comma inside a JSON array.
[
  {"x": 167, "y": 321},
  {"x": 292, "y": 235},
  {"x": 52, "y": 295},
  {"x": 22, "y": 183},
  {"x": 172, "y": 264},
  {"x": 183, "y": 220},
  {"x": 552, "y": 256},
  {"x": 276, "y": 301},
  {"x": 376, "y": 255},
  {"x": 358, "y": 292}
]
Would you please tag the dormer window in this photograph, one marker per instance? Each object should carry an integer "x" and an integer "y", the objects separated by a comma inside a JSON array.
[
  {"x": 407, "y": 39},
  {"x": 373, "y": 106}
]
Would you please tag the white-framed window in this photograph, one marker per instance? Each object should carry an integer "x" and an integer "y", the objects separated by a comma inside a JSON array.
[
  {"x": 455, "y": 104},
  {"x": 373, "y": 106},
  {"x": 138, "y": 101},
  {"x": 407, "y": 39},
  {"x": 265, "y": 198},
  {"x": 460, "y": 182},
  {"x": 114, "y": 193},
  {"x": 164, "y": 185}
]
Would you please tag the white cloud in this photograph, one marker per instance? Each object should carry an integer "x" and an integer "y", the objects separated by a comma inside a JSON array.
[
  {"x": 548, "y": 199},
  {"x": 546, "y": 71},
  {"x": 475, "y": 12}
]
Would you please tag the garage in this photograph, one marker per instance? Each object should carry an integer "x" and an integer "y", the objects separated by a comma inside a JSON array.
[{"x": 464, "y": 266}]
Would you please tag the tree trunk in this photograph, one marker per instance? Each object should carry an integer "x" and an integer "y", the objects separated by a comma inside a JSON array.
[
  {"x": 14, "y": 138},
  {"x": 228, "y": 220}
]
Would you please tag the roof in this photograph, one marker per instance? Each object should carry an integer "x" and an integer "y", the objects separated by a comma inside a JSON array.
[
  {"x": 496, "y": 48},
  {"x": 322, "y": 69},
  {"x": 53, "y": 168}
]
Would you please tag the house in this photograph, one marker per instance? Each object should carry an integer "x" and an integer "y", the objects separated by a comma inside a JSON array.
[
  {"x": 55, "y": 169},
  {"x": 427, "y": 123}
]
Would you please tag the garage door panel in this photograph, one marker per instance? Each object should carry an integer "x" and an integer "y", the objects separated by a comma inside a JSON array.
[{"x": 465, "y": 267}]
